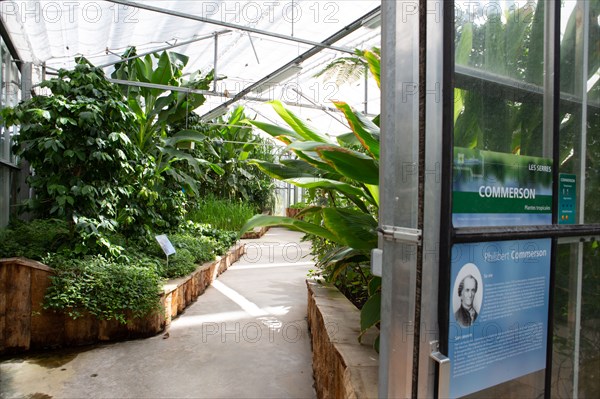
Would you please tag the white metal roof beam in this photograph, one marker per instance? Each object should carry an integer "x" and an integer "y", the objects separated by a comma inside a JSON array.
[
  {"x": 230, "y": 25},
  {"x": 197, "y": 39},
  {"x": 303, "y": 57},
  {"x": 215, "y": 94}
]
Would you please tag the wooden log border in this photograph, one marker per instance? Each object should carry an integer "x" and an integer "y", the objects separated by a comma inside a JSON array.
[{"x": 25, "y": 325}]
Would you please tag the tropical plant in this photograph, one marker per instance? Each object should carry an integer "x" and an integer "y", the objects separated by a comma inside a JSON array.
[
  {"x": 175, "y": 171},
  {"x": 349, "y": 69},
  {"x": 229, "y": 144},
  {"x": 346, "y": 171},
  {"x": 84, "y": 163}
]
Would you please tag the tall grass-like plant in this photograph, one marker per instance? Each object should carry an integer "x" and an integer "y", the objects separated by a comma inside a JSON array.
[{"x": 222, "y": 214}]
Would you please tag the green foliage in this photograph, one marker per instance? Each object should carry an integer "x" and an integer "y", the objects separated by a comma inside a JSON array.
[
  {"x": 179, "y": 264},
  {"x": 223, "y": 239},
  {"x": 228, "y": 146},
  {"x": 35, "y": 239},
  {"x": 223, "y": 214},
  {"x": 155, "y": 111},
  {"x": 75, "y": 142},
  {"x": 103, "y": 288},
  {"x": 350, "y": 69},
  {"x": 108, "y": 172},
  {"x": 111, "y": 287}
]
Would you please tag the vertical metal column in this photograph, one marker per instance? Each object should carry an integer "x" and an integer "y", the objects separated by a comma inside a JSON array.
[
  {"x": 550, "y": 36},
  {"x": 434, "y": 84},
  {"x": 216, "y": 59},
  {"x": 399, "y": 194},
  {"x": 581, "y": 193}
]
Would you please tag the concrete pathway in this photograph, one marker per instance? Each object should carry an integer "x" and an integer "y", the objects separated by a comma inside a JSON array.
[{"x": 245, "y": 337}]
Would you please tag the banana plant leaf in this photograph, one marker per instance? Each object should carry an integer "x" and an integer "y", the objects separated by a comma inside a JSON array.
[
  {"x": 365, "y": 130},
  {"x": 352, "y": 164},
  {"x": 344, "y": 254},
  {"x": 314, "y": 159},
  {"x": 301, "y": 165},
  {"x": 186, "y": 136},
  {"x": 291, "y": 223},
  {"x": 370, "y": 314},
  {"x": 352, "y": 228},
  {"x": 313, "y": 182},
  {"x": 348, "y": 140},
  {"x": 374, "y": 61},
  {"x": 280, "y": 171},
  {"x": 298, "y": 125},
  {"x": 351, "y": 192},
  {"x": 277, "y": 132}
]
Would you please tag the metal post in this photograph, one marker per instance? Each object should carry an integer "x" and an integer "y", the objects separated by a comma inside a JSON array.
[
  {"x": 434, "y": 83},
  {"x": 399, "y": 193},
  {"x": 215, "y": 62}
]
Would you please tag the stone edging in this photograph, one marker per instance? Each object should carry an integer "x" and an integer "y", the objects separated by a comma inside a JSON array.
[
  {"x": 258, "y": 232},
  {"x": 181, "y": 292},
  {"x": 25, "y": 325},
  {"x": 342, "y": 367}
]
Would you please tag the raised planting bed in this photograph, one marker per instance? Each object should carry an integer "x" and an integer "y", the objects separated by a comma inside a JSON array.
[
  {"x": 343, "y": 368},
  {"x": 256, "y": 233},
  {"x": 25, "y": 325}
]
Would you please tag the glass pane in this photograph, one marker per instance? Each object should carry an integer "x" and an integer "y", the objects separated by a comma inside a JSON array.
[
  {"x": 592, "y": 205},
  {"x": 502, "y": 172},
  {"x": 578, "y": 158},
  {"x": 499, "y": 45},
  {"x": 576, "y": 357},
  {"x": 503, "y": 38},
  {"x": 592, "y": 185}
]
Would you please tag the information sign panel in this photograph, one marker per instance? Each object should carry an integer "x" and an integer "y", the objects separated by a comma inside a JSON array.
[
  {"x": 567, "y": 198},
  {"x": 498, "y": 307},
  {"x": 165, "y": 244},
  {"x": 498, "y": 189}
]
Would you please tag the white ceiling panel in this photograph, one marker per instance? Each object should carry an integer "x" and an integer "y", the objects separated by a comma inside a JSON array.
[{"x": 52, "y": 33}]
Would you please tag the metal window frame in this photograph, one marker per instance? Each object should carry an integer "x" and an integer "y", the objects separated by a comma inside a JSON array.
[{"x": 553, "y": 99}]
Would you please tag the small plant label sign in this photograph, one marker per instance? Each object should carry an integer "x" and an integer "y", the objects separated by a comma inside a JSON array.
[{"x": 165, "y": 244}]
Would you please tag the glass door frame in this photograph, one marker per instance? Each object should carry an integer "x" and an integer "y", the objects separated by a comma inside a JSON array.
[{"x": 449, "y": 235}]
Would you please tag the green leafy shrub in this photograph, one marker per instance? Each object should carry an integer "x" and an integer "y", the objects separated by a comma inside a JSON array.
[
  {"x": 34, "y": 239},
  {"x": 105, "y": 289},
  {"x": 201, "y": 248},
  {"x": 180, "y": 264},
  {"x": 224, "y": 239}
]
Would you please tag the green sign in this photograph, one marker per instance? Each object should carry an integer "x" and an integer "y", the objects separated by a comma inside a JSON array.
[
  {"x": 567, "y": 198},
  {"x": 498, "y": 189}
]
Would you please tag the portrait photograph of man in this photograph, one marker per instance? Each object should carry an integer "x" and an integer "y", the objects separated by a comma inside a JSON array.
[{"x": 466, "y": 314}]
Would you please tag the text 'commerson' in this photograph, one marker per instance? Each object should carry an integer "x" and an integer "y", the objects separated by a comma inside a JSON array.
[{"x": 506, "y": 192}]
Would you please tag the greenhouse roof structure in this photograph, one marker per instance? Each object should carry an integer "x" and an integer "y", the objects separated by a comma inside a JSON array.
[{"x": 260, "y": 50}]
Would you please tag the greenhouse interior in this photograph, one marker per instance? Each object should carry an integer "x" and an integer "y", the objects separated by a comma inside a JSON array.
[{"x": 299, "y": 198}]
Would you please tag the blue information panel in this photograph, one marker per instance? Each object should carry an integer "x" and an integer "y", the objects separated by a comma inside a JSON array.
[{"x": 498, "y": 312}]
